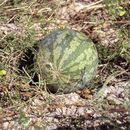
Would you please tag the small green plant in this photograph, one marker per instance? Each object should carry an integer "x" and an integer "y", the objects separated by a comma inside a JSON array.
[
  {"x": 2, "y": 72},
  {"x": 116, "y": 8},
  {"x": 119, "y": 14},
  {"x": 123, "y": 34}
]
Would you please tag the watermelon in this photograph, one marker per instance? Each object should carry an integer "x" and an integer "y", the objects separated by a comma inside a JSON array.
[{"x": 66, "y": 60}]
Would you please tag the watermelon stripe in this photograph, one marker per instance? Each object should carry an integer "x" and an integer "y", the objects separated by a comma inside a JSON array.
[
  {"x": 59, "y": 38},
  {"x": 81, "y": 36},
  {"x": 75, "y": 74},
  {"x": 58, "y": 54},
  {"x": 82, "y": 57},
  {"x": 69, "y": 51}
]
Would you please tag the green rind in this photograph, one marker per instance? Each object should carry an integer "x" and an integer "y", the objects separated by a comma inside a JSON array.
[{"x": 67, "y": 58}]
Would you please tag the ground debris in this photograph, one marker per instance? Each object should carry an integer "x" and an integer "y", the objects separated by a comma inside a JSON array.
[{"x": 71, "y": 111}]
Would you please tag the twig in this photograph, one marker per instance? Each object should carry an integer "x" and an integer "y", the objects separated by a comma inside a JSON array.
[
  {"x": 3, "y": 2},
  {"x": 122, "y": 22}
]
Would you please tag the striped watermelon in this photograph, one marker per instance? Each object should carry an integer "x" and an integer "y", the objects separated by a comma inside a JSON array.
[{"x": 67, "y": 60}]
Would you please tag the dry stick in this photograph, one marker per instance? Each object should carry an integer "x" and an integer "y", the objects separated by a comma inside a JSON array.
[
  {"x": 27, "y": 74},
  {"x": 122, "y": 22},
  {"x": 44, "y": 10},
  {"x": 18, "y": 8},
  {"x": 97, "y": 5},
  {"x": 11, "y": 19},
  {"x": 3, "y": 2}
]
